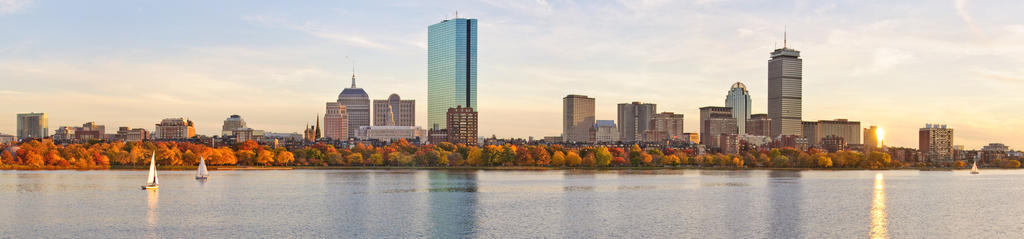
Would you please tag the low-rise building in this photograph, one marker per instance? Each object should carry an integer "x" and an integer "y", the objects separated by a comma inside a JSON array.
[{"x": 390, "y": 133}]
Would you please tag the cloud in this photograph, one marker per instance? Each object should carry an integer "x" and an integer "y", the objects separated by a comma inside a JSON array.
[
  {"x": 318, "y": 30},
  {"x": 14, "y": 6},
  {"x": 961, "y": 10}
]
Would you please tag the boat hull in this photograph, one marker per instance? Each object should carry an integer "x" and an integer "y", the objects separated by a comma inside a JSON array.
[
  {"x": 202, "y": 178},
  {"x": 145, "y": 187}
]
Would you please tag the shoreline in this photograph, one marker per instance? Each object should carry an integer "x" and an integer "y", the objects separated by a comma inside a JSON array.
[{"x": 488, "y": 168}]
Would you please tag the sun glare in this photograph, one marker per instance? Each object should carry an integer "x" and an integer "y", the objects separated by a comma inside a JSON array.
[{"x": 881, "y": 135}]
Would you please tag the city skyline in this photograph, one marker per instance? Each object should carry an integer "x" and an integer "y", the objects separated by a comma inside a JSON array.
[{"x": 882, "y": 70}]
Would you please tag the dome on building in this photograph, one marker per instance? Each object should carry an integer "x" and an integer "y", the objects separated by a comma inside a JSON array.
[
  {"x": 394, "y": 97},
  {"x": 353, "y": 92},
  {"x": 739, "y": 85}
]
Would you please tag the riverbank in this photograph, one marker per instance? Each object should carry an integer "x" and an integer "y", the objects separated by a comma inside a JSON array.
[{"x": 495, "y": 168}]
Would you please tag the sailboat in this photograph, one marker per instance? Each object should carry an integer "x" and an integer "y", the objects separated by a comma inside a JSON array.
[
  {"x": 974, "y": 167},
  {"x": 152, "y": 182},
  {"x": 201, "y": 173}
]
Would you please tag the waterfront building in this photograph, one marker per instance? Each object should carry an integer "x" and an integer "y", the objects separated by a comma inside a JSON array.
[
  {"x": 357, "y": 109},
  {"x": 755, "y": 141},
  {"x": 739, "y": 100},
  {"x": 785, "y": 92},
  {"x": 247, "y": 134},
  {"x": 462, "y": 126},
  {"x": 843, "y": 128},
  {"x": 435, "y": 136},
  {"x": 552, "y": 139},
  {"x": 809, "y": 128},
  {"x": 63, "y": 135},
  {"x": 670, "y": 123},
  {"x": 759, "y": 124},
  {"x": 872, "y": 141},
  {"x": 336, "y": 121},
  {"x": 605, "y": 131},
  {"x": 126, "y": 134},
  {"x": 833, "y": 143},
  {"x": 577, "y": 118},
  {"x": 394, "y": 111},
  {"x": 729, "y": 143},
  {"x": 174, "y": 129},
  {"x": 390, "y": 133},
  {"x": 936, "y": 142},
  {"x": 451, "y": 68},
  {"x": 634, "y": 119},
  {"x": 655, "y": 136},
  {"x": 715, "y": 121},
  {"x": 230, "y": 124},
  {"x": 33, "y": 125},
  {"x": 6, "y": 138}
]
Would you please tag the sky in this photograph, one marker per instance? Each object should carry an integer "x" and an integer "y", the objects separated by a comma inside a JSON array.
[{"x": 895, "y": 64}]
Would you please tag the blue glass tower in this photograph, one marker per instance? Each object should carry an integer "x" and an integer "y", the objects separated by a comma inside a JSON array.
[{"x": 451, "y": 68}]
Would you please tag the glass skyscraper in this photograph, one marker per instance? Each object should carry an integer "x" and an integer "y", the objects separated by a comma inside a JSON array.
[
  {"x": 739, "y": 100},
  {"x": 451, "y": 68}
]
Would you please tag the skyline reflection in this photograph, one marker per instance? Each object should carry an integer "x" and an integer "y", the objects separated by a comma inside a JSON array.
[{"x": 878, "y": 212}]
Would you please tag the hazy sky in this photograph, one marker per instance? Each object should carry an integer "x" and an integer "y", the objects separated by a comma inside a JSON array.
[{"x": 896, "y": 64}]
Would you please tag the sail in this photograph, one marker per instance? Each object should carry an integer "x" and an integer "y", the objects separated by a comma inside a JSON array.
[
  {"x": 152, "y": 179},
  {"x": 974, "y": 168},
  {"x": 202, "y": 168}
]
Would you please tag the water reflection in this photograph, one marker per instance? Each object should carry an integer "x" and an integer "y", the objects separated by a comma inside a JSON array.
[
  {"x": 785, "y": 198},
  {"x": 452, "y": 204},
  {"x": 878, "y": 213},
  {"x": 152, "y": 200}
]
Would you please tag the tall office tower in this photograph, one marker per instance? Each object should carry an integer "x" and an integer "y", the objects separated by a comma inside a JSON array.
[
  {"x": 714, "y": 122},
  {"x": 577, "y": 118},
  {"x": 336, "y": 121},
  {"x": 669, "y": 123},
  {"x": 357, "y": 105},
  {"x": 605, "y": 131},
  {"x": 871, "y": 140},
  {"x": 33, "y": 125},
  {"x": 739, "y": 100},
  {"x": 230, "y": 124},
  {"x": 936, "y": 142},
  {"x": 759, "y": 125},
  {"x": 394, "y": 111},
  {"x": 174, "y": 129},
  {"x": 634, "y": 119},
  {"x": 462, "y": 125},
  {"x": 785, "y": 77},
  {"x": 451, "y": 68}
]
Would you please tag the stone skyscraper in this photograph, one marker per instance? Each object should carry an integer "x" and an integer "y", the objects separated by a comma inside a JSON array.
[
  {"x": 336, "y": 120},
  {"x": 634, "y": 119},
  {"x": 394, "y": 111},
  {"x": 716, "y": 121},
  {"x": 739, "y": 100},
  {"x": 577, "y": 118},
  {"x": 451, "y": 68},
  {"x": 785, "y": 79},
  {"x": 357, "y": 107}
]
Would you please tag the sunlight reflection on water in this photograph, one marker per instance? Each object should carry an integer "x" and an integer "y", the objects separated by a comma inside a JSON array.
[{"x": 878, "y": 214}]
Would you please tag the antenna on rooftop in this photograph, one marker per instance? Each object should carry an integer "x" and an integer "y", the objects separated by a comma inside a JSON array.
[{"x": 784, "y": 43}]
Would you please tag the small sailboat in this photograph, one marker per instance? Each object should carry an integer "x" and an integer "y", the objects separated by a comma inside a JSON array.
[
  {"x": 974, "y": 167},
  {"x": 201, "y": 173},
  {"x": 152, "y": 182}
]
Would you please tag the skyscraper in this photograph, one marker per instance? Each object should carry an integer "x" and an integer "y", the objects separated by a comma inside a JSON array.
[
  {"x": 357, "y": 106},
  {"x": 785, "y": 79},
  {"x": 451, "y": 68},
  {"x": 336, "y": 120},
  {"x": 739, "y": 100},
  {"x": 577, "y": 118},
  {"x": 759, "y": 124},
  {"x": 33, "y": 125},
  {"x": 716, "y": 121},
  {"x": 936, "y": 142},
  {"x": 670, "y": 123},
  {"x": 634, "y": 119},
  {"x": 394, "y": 111},
  {"x": 230, "y": 124}
]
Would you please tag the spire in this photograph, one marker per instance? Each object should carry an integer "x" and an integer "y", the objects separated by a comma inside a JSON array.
[
  {"x": 784, "y": 43},
  {"x": 353, "y": 74}
]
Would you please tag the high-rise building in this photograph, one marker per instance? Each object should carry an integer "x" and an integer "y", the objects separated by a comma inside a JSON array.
[
  {"x": 759, "y": 125},
  {"x": 357, "y": 107},
  {"x": 872, "y": 141},
  {"x": 716, "y": 121},
  {"x": 462, "y": 126},
  {"x": 33, "y": 125},
  {"x": 936, "y": 142},
  {"x": 739, "y": 100},
  {"x": 230, "y": 124},
  {"x": 394, "y": 111},
  {"x": 785, "y": 79},
  {"x": 174, "y": 129},
  {"x": 843, "y": 128},
  {"x": 605, "y": 131},
  {"x": 634, "y": 119},
  {"x": 670, "y": 123},
  {"x": 336, "y": 122},
  {"x": 451, "y": 68},
  {"x": 577, "y": 118}
]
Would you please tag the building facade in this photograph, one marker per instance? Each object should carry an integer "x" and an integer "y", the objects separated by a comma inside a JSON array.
[
  {"x": 739, "y": 100},
  {"x": 577, "y": 118},
  {"x": 357, "y": 107},
  {"x": 126, "y": 134},
  {"x": 759, "y": 124},
  {"x": 872, "y": 139},
  {"x": 394, "y": 111},
  {"x": 391, "y": 133},
  {"x": 336, "y": 122},
  {"x": 670, "y": 123},
  {"x": 634, "y": 119},
  {"x": 462, "y": 126},
  {"x": 33, "y": 125},
  {"x": 175, "y": 129},
  {"x": 716, "y": 121},
  {"x": 605, "y": 131},
  {"x": 230, "y": 124},
  {"x": 247, "y": 134},
  {"x": 936, "y": 142},
  {"x": 785, "y": 92},
  {"x": 451, "y": 68}
]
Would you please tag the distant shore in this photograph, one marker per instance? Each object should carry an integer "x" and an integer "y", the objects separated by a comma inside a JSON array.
[{"x": 496, "y": 168}]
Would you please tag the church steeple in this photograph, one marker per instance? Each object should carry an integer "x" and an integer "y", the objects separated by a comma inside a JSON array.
[{"x": 317, "y": 126}]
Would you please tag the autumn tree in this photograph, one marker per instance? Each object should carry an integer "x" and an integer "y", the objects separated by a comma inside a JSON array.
[{"x": 558, "y": 159}]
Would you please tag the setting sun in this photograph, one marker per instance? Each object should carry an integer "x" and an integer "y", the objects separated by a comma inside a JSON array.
[{"x": 881, "y": 136}]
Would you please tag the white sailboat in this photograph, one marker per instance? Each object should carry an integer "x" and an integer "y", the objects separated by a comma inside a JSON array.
[
  {"x": 974, "y": 167},
  {"x": 152, "y": 182},
  {"x": 201, "y": 173}
]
